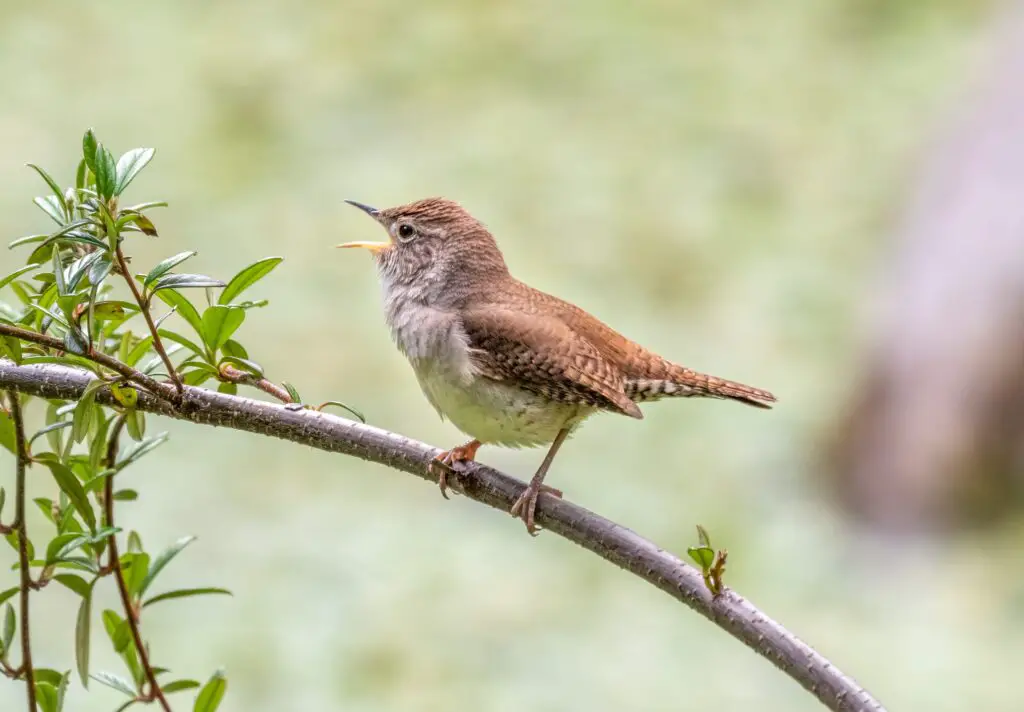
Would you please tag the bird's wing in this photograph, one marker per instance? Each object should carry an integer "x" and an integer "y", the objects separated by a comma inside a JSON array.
[{"x": 543, "y": 355}]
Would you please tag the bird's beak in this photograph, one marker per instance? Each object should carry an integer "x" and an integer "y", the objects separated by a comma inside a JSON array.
[{"x": 374, "y": 247}]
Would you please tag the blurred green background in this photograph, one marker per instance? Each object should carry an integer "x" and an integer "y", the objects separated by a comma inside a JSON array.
[{"x": 714, "y": 179}]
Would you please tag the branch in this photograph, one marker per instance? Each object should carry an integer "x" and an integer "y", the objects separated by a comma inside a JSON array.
[
  {"x": 130, "y": 612},
  {"x": 609, "y": 540},
  {"x": 158, "y": 345},
  {"x": 21, "y": 526}
]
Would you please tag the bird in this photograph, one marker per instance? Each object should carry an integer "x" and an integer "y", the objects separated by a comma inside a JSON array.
[{"x": 507, "y": 364}]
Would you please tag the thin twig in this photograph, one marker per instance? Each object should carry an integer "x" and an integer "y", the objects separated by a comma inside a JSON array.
[
  {"x": 115, "y": 565},
  {"x": 21, "y": 526},
  {"x": 133, "y": 375},
  {"x": 158, "y": 345},
  {"x": 236, "y": 375},
  {"x": 613, "y": 542}
]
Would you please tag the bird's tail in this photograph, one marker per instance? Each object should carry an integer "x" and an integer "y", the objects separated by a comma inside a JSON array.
[{"x": 674, "y": 381}]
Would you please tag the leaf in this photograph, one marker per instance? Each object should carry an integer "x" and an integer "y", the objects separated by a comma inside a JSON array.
[
  {"x": 137, "y": 451},
  {"x": 292, "y": 391},
  {"x": 219, "y": 323},
  {"x": 185, "y": 281},
  {"x": 178, "y": 686},
  {"x": 702, "y": 536},
  {"x": 46, "y": 697},
  {"x": 235, "y": 349},
  {"x": 17, "y": 273},
  {"x": 52, "y": 206},
  {"x": 212, "y": 693},
  {"x": 137, "y": 572},
  {"x": 129, "y": 165},
  {"x": 228, "y": 388},
  {"x": 74, "y": 341},
  {"x": 99, "y": 270},
  {"x": 89, "y": 146},
  {"x": 49, "y": 181},
  {"x": 10, "y": 624},
  {"x": 124, "y": 394},
  {"x": 75, "y": 583},
  {"x": 69, "y": 484},
  {"x": 703, "y": 555},
  {"x": 166, "y": 266},
  {"x": 28, "y": 239},
  {"x": 7, "y": 434},
  {"x": 106, "y": 172},
  {"x": 144, "y": 224},
  {"x": 146, "y": 206},
  {"x": 9, "y": 593},
  {"x": 82, "y": 635},
  {"x": 178, "y": 338},
  {"x": 82, "y": 418},
  {"x": 184, "y": 308},
  {"x": 80, "y": 174},
  {"x": 162, "y": 560},
  {"x": 339, "y": 404},
  {"x": 62, "y": 545},
  {"x": 114, "y": 681},
  {"x": 77, "y": 270},
  {"x": 117, "y": 630},
  {"x": 138, "y": 351},
  {"x": 247, "y": 277},
  {"x": 186, "y": 593},
  {"x": 135, "y": 423},
  {"x": 126, "y": 495}
]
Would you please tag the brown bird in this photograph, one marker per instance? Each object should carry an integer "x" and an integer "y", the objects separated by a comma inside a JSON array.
[{"x": 508, "y": 364}]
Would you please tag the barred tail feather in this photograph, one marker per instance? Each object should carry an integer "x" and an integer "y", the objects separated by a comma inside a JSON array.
[{"x": 681, "y": 382}]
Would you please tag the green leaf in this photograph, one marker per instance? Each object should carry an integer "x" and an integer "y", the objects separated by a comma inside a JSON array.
[
  {"x": 9, "y": 593},
  {"x": 185, "y": 281},
  {"x": 124, "y": 394},
  {"x": 12, "y": 539},
  {"x": 178, "y": 686},
  {"x": 17, "y": 273},
  {"x": 137, "y": 451},
  {"x": 106, "y": 172},
  {"x": 162, "y": 560},
  {"x": 75, "y": 583},
  {"x": 135, "y": 423},
  {"x": 114, "y": 681},
  {"x": 247, "y": 277},
  {"x": 234, "y": 349},
  {"x": 292, "y": 391},
  {"x": 89, "y": 146},
  {"x": 196, "y": 377},
  {"x": 129, "y": 165},
  {"x": 58, "y": 274},
  {"x": 228, "y": 388},
  {"x": 49, "y": 181},
  {"x": 702, "y": 536},
  {"x": 69, "y": 484},
  {"x": 63, "y": 544},
  {"x": 178, "y": 338},
  {"x": 137, "y": 572},
  {"x": 186, "y": 593},
  {"x": 146, "y": 206},
  {"x": 140, "y": 221},
  {"x": 7, "y": 434},
  {"x": 184, "y": 308},
  {"x": 46, "y": 697},
  {"x": 703, "y": 555},
  {"x": 77, "y": 270},
  {"x": 28, "y": 239},
  {"x": 212, "y": 693},
  {"x": 166, "y": 266},
  {"x": 126, "y": 495},
  {"x": 82, "y": 635},
  {"x": 117, "y": 630},
  {"x": 10, "y": 625},
  {"x": 82, "y": 418},
  {"x": 50, "y": 432},
  {"x": 138, "y": 351},
  {"x": 339, "y": 404},
  {"x": 99, "y": 270},
  {"x": 74, "y": 341},
  {"x": 80, "y": 175},
  {"x": 52, "y": 206},
  {"x": 219, "y": 323}
]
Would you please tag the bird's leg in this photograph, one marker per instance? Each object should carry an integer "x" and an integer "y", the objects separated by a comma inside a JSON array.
[
  {"x": 526, "y": 505},
  {"x": 446, "y": 460}
]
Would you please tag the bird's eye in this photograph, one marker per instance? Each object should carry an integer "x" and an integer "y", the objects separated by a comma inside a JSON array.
[{"x": 406, "y": 232}]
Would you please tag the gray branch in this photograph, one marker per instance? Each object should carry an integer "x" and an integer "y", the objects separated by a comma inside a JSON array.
[{"x": 605, "y": 538}]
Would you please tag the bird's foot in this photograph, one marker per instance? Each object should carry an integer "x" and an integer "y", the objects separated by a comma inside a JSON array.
[
  {"x": 445, "y": 462},
  {"x": 526, "y": 506}
]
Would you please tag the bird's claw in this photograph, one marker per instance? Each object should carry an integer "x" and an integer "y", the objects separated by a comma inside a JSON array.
[
  {"x": 526, "y": 506},
  {"x": 445, "y": 463}
]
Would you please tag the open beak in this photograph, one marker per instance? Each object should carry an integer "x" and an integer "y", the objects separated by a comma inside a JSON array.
[{"x": 373, "y": 247}]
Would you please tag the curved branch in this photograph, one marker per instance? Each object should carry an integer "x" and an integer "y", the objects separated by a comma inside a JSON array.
[{"x": 609, "y": 540}]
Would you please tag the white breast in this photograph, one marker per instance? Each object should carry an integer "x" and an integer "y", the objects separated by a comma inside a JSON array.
[{"x": 436, "y": 345}]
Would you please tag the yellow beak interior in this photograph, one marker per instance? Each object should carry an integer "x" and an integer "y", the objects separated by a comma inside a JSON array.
[{"x": 373, "y": 247}]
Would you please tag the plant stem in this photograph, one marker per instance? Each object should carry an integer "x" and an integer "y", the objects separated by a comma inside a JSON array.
[
  {"x": 235, "y": 375},
  {"x": 115, "y": 564},
  {"x": 144, "y": 306},
  {"x": 20, "y": 525}
]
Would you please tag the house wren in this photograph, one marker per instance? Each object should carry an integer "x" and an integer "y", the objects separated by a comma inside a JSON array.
[{"x": 509, "y": 365}]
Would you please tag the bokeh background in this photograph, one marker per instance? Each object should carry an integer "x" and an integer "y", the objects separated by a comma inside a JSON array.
[{"x": 721, "y": 181}]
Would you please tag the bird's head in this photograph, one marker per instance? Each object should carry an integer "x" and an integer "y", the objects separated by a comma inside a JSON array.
[{"x": 434, "y": 245}]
